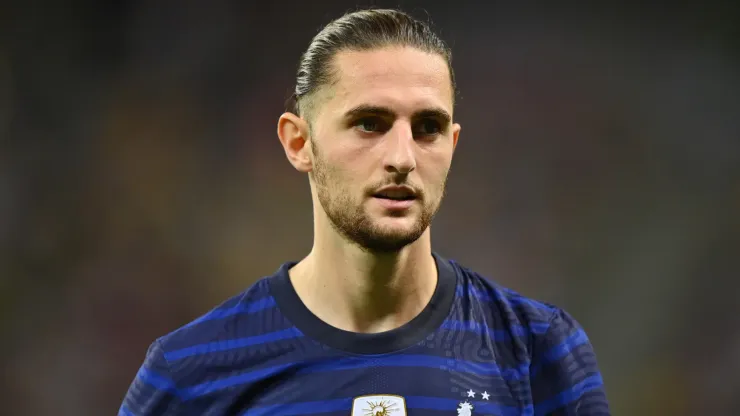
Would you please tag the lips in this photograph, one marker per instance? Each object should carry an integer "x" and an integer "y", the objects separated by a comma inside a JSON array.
[
  {"x": 396, "y": 193},
  {"x": 397, "y": 199}
]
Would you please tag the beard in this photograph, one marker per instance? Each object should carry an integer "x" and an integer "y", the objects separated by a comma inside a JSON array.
[{"x": 351, "y": 220}]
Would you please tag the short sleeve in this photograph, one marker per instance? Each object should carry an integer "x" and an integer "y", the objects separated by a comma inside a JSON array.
[
  {"x": 152, "y": 391},
  {"x": 564, "y": 374}
]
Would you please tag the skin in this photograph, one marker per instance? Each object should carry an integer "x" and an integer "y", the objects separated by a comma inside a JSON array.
[{"x": 386, "y": 121}]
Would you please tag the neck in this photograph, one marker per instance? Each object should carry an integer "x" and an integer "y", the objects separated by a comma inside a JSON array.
[{"x": 354, "y": 290}]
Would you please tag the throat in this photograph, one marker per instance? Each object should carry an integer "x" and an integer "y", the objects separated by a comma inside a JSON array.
[
  {"x": 376, "y": 315},
  {"x": 373, "y": 300}
]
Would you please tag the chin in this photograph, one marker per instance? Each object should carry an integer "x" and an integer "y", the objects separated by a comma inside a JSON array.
[
  {"x": 387, "y": 235},
  {"x": 387, "y": 243},
  {"x": 401, "y": 230},
  {"x": 397, "y": 225}
]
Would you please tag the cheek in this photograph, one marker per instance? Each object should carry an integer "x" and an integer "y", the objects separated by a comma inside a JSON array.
[
  {"x": 351, "y": 164},
  {"x": 434, "y": 168},
  {"x": 345, "y": 176}
]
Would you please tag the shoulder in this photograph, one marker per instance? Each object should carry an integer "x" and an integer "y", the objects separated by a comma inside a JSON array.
[
  {"x": 243, "y": 315},
  {"x": 178, "y": 358},
  {"x": 219, "y": 340},
  {"x": 530, "y": 323},
  {"x": 223, "y": 319},
  {"x": 559, "y": 358},
  {"x": 485, "y": 293}
]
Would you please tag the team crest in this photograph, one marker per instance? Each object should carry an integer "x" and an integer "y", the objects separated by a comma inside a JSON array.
[
  {"x": 465, "y": 409},
  {"x": 379, "y": 405}
]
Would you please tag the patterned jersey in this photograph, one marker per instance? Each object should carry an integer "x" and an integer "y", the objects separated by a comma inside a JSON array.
[{"x": 475, "y": 349}]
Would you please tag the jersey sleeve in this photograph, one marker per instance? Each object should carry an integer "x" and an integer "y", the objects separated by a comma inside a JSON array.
[
  {"x": 564, "y": 374},
  {"x": 153, "y": 391}
]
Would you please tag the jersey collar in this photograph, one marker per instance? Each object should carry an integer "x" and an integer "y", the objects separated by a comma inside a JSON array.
[{"x": 414, "y": 331}]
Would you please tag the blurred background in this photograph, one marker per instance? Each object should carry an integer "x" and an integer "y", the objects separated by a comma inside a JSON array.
[{"x": 142, "y": 182}]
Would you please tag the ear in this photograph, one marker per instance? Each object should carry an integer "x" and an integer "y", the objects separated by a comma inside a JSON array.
[
  {"x": 293, "y": 133},
  {"x": 455, "y": 135}
]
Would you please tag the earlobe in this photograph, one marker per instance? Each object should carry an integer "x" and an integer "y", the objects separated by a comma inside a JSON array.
[{"x": 292, "y": 131}]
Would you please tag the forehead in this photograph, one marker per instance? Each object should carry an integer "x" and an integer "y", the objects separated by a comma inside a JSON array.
[{"x": 402, "y": 78}]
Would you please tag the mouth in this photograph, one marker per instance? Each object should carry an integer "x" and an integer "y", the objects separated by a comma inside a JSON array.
[
  {"x": 396, "y": 199},
  {"x": 397, "y": 193}
]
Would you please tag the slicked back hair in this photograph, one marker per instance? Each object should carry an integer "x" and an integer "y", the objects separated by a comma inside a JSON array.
[{"x": 359, "y": 31}]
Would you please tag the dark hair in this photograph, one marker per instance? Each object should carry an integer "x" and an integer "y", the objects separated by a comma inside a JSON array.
[{"x": 360, "y": 31}]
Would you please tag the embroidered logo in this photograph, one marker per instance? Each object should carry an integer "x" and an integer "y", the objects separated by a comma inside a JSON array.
[
  {"x": 379, "y": 405},
  {"x": 465, "y": 409}
]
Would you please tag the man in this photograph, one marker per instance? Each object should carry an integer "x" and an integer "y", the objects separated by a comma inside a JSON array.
[{"x": 372, "y": 322}]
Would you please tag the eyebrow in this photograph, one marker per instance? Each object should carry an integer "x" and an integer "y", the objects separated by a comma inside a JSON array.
[{"x": 365, "y": 110}]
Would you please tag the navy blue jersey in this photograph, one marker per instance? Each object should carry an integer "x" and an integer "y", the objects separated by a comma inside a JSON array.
[{"x": 476, "y": 349}]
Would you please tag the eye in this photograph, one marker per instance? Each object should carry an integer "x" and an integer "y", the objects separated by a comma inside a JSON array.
[
  {"x": 427, "y": 127},
  {"x": 369, "y": 125}
]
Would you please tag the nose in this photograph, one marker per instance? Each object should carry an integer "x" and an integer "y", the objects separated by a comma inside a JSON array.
[{"x": 399, "y": 157}]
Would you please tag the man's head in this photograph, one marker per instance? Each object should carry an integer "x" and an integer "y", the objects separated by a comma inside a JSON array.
[{"x": 372, "y": 125}]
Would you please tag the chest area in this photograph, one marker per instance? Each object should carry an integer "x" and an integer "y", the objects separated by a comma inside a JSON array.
[{"x": 399, "y": 385}]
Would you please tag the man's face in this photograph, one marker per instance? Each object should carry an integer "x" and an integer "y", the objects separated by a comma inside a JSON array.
[{"x": 382, "y": 143}]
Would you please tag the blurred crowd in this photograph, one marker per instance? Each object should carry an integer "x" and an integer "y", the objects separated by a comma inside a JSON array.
[{"x": 142, "y": 183}]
